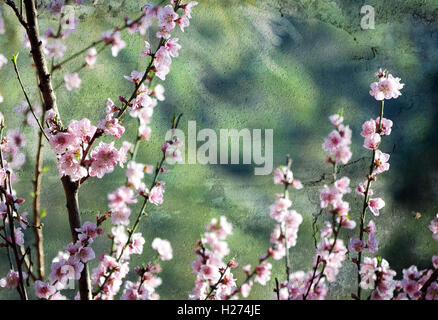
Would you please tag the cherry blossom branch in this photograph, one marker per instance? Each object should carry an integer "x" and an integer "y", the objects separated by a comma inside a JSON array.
[
  {"x": 6, "y": 193},
  {"x": 93, "y": 44},
  {"x": 249, "y": 276},
  {"x": 284, "y": 232},
  {"x": 141, "y": 213},
  {"x": 214, "y": 286},
  {"x": 83, "y": 66},
  {"x": 365, "y": 203},
  {"x": 324, "y": 262},
  {"x": 426, "y": 285},
  {"x": 127, "y": 103}
]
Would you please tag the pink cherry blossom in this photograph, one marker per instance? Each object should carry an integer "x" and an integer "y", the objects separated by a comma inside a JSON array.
[
  {"x": 166, "y": 18},
  {"x": 120, "y": 215},
  {"x": 113, "y": 38},
  {"x": 82, "y": 129},
  {"x": 156, "y": 194},
  {"x": 434, "y": 227},
  {"x": 147, "y": 51},
  {"x": 158, "y": 92},
  {"x": 72, "y": 81},
  {"x": 54, "y": 48},
  {"x": 111, "y": 125},
  {"x": 387, "y": 87},
  {"x": 136, "y": 245},
  {"x": 90, "y": 230},
  {"x": 11, "y": 280},
  {"x": 173, "y": 47},
  {"x": 121, "y": 197},
  {"x": 343, "y": 185},
  {"x": 135, "y": 173},
  {"x": 85, "y": 254},
  {"x": 386, "y": 126},
  {"x": 145, "y": 132},
  {"x": 3, "y": 60},
  {"x": 135, "y": 76},
  {"x": 329, "y": 196},
  {"x": 91, "y": 57},
  {"x": 336, "y": 119},
  {"x": 368, "y": 128},
  {"x": 263, "y": 273},
  {"x": 61, "y": 141},
  {"x": 375, "y": 204},
  {"x": 372, "y": 141},
  {"x": 103, "y": 159},
  {"x": 43, "y": 290},
  {"x": 380, "y": 162},
  {"x": 69, "y": 164},
  {"x": 163, "y": 248}
]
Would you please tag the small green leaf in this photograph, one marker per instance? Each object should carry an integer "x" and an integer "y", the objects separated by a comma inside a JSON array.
[
  {"x": 14, "y": 58},
  {"x": 32, "y": 195},
  {"x": 43, "y": 213},
  {"x": 45, "y": 169}
]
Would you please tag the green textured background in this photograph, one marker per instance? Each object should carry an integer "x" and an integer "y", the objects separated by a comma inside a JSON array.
[{"x": 285, "y": 65}]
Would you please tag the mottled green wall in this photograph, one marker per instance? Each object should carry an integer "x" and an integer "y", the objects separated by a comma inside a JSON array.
[{"x": 285, "y": 65}]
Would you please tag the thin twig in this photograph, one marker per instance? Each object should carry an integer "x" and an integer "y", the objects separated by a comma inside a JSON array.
[
  {"x": 14, "y": 62},
  {"x": 139, "y": 216},
  {"x": 365, "y": 204},
  {"x": 19, "y": 15}
]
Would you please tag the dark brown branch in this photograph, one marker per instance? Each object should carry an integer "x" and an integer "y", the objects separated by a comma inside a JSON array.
[
  {"x": 49, "y": 101},
  {"x": 71, "y": 190},
  {"x": 49, "y": 98}
]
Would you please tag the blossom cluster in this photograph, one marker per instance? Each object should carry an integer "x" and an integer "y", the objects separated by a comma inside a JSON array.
[
  {"x": 72, "y": 144},
  {"x": 333, "y": 197},
  {"x": 144, "y": 287},
  {"x": 377, "y": 275},
  {"x": 387, "y": 87},
  {"x": 330, "y": 251},
  {"x": 414, "y": 280},
  {"x": 148, "y": 281},
  {"x": 285, "y": 233},
  {"x": 12, "y": 145},
  {"x": 372, "y": 131},
  {"x": 338, "y": 142},
  {"x": 214, "y": 278},
  {"x": 69, "y": 264},
  {"x": 372, "y": 243},
  {"x": 12, "y": 159}
]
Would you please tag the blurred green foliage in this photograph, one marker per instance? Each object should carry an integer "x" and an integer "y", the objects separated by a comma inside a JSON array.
[{"x": 278, "y": 64}]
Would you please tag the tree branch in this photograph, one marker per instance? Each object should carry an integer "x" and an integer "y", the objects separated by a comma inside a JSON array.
[
  {"x": 20, "y": 18},
  {"x": 49, "y": 101},
  {"x": 49, "y": 98}
]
